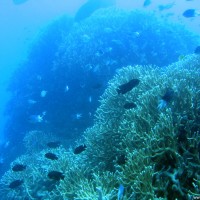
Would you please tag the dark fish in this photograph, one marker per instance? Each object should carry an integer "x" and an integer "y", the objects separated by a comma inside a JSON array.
[
  {"x": 168, "y": 96},
  {"x": 15, "y": 184},
  {"x": 126, "y": 87},
  {"x": 53, "y": 145},
  {"x": 80, "y": 149},
  {"x": 51, "y": 156},
  {"x": 146, "y": 3},
  {"x": 91, "y": 6},
  {"x": 197, "y": 50},
  {"x": 18, "y": 167},
  {"x": 121, "y": 159},
  {"x": 129, "y": 105},
  {"x": 55, "y": 175},
  {"x": 190, "y": 13}
]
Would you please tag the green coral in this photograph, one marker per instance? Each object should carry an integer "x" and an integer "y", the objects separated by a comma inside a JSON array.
[{"x": 160, "y": 146}]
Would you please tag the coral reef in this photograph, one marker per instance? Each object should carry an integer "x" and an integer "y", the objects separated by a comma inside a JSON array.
[
  {"x": 161, "y": 146},
  {"x": 154, "y": 153},
  {"x": 71, "y": 63}
]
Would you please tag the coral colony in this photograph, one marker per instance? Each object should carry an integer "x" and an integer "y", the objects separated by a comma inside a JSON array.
[{"x": 136, "y": 153}]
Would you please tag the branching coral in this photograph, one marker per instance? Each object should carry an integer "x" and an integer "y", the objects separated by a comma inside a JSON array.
[
  {"x": 36, "y": 184},
  {"x": 153, "y": 153},
  {"x": 156, "y": 142},
  {"x": 101, "y": 186}
]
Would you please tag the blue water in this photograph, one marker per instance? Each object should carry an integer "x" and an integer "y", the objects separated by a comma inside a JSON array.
[{"x": 54, "y": 70}]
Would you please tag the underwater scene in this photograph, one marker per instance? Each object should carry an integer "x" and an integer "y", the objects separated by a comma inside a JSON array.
[{"x": 100, "y": 100}]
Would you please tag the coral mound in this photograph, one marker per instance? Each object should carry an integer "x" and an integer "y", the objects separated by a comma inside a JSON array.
[{"x": 160, "y": 144}]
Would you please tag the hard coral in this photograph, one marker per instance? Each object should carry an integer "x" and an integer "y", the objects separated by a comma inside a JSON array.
[
  {"x": 161, "y": 163},
  {"x": 160, "y": 147}
]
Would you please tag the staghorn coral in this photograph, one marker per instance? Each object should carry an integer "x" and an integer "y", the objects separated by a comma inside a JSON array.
[
  {"x": 160, "y": 147},
  {"x": 35, "y": 141},
  {"x": 101, "y": 186},
  {"x": 36, "y": 184}
]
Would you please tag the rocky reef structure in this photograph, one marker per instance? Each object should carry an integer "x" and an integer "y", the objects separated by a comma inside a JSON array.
[{"x": 152, "y": 150}]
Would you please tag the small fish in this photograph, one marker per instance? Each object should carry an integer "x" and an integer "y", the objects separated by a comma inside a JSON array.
[
  {"x": 31, "y": 101},
  {"x": 53, "y": 145},
  {"x": 146, "y": 3},
  {"x": 90, "y": 99},
  {"x": 197, "y": 50},
  {"x": 126, "y": 87},
  {"x": 51, "y": 156},
  {"x": 37, "y": 118},
  {"x": 136, "y": 34},
  {"x": 66, "y": 88},
  {"x": 15, "y": 184},
  {"x": 129, "y": 105},
  {"x": 39, "y": 78},
  {"x": 99, "y": 191},
  {"x": 99, "y": 53},
  {"x": 162, "y": 104},
  {"x": 120, "y": 193},
  {"x": 166, "y": 6},
  {"x": 55, "y": 175},
  {"x": 80, "y": 149},
  {"x": 43, "y": 93},
  {"x": 168, "y": 96},
  {"x": 18, "y": 167},
  {"x": 191, "y": 13},
  {"x": 90, "y": 114},
  {"x": 121, "y": 159},
  {"x": 77, "y": 116}
]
